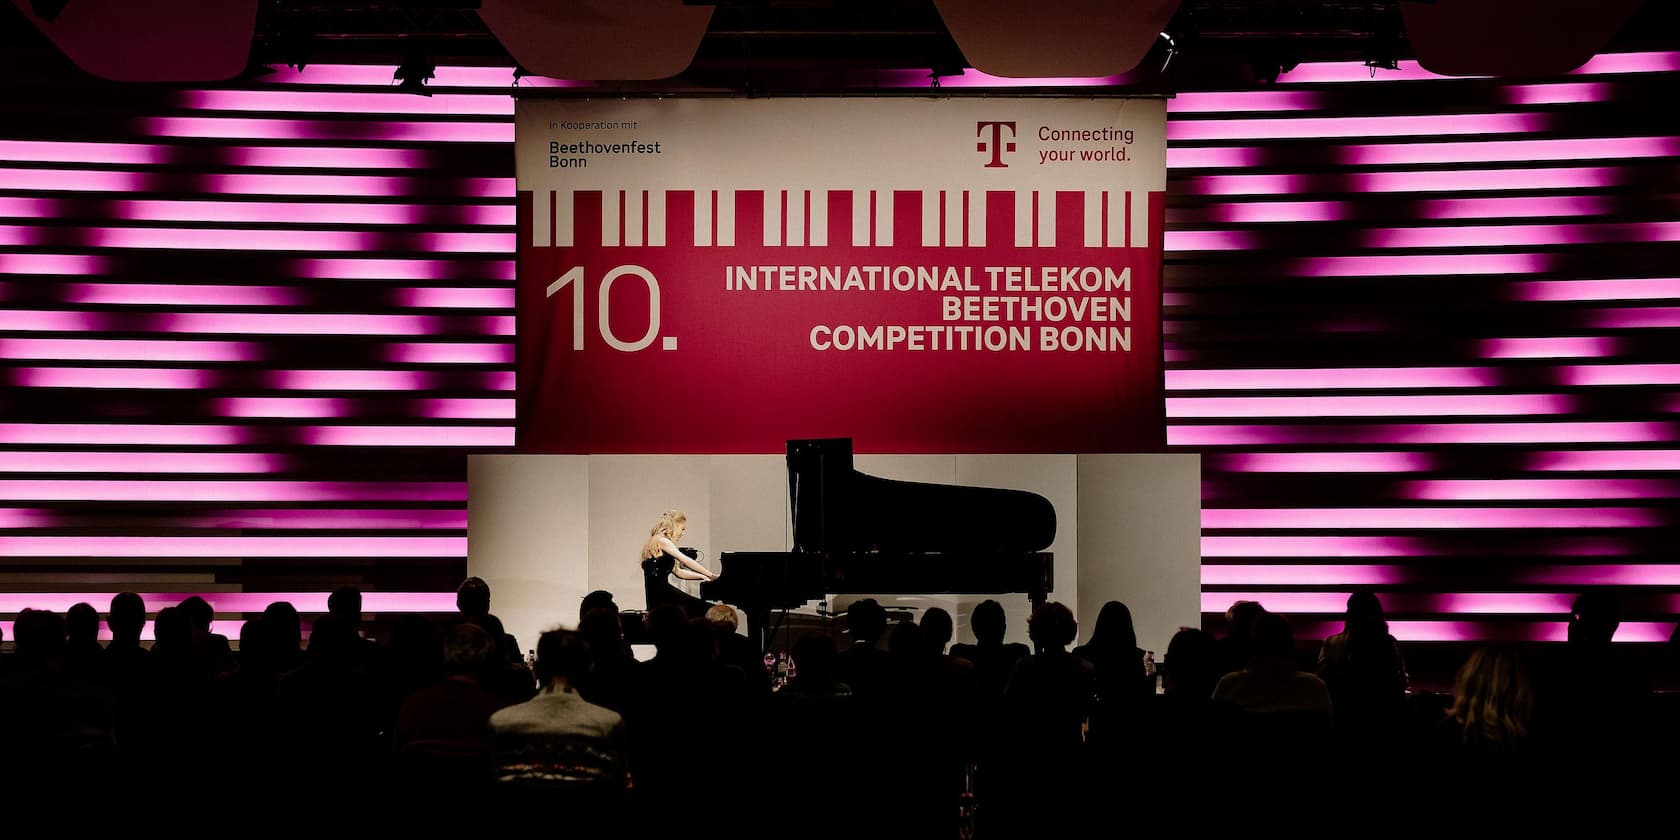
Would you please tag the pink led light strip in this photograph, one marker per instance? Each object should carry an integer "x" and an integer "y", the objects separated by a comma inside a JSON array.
[{"x": 333, "y": 546}]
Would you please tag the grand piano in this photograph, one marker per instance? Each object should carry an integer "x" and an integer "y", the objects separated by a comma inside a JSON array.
[{"x": 855, "y": 533}]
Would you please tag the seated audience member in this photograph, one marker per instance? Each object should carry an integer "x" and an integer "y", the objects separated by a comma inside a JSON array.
[
  {"x": 993, "y": 660},
  {"x": 557, "y": 745},
  {"x": 1282, "y": 708},
  {"x": 442, "y": 735}
]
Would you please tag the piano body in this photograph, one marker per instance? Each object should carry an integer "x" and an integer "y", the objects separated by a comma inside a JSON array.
[{"x": 855, "y": 533}]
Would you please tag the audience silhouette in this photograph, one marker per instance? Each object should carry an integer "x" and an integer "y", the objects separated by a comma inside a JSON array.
[{"x": 1030, "y": 743}]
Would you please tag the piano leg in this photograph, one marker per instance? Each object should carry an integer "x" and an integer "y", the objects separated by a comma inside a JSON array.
[{"x": 758, "y": 621}]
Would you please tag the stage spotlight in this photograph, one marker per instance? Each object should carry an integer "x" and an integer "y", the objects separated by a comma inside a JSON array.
[
  {"x": 1171, "y": 46},
  {"x": 48, "y": 10},
  {"x": 411, "y": 76}
]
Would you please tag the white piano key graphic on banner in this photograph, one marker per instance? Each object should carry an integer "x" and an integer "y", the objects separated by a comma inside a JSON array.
[
  {"x": 635, "y": 201},
  {"x": 819, "y": 217},
  {"x": 726, "y": 218},
  {"x": 930, "y": 218},
  {"x": 795, "y": 222},
  {"x": 1140, "y": 219},
  {"x": 883, "y": 217},
  {"x": 612, "y": 221},
  {"x": 954, "y": 218},
  {"x": 656, "y": 217},
  {"x": 1046, "y": 218},
  {"x": 542, "y": 218},
  {"x": 773, "y": 217},
  {"x": 977, "y": 218},
  {"x": 1024, "y": 218},
  {"x": 1116, "y": 201},
  {"x": 703, "y": 216},
  {"x": 1093, "y": 218}
]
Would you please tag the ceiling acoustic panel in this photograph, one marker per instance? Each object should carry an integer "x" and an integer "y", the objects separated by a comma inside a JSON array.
[
  {"x": 1027, "y": 39},
  {"x": 1511, "y": 37},
  {"x": 599, "y": 39},
  {"x": 154, "y": 41}
]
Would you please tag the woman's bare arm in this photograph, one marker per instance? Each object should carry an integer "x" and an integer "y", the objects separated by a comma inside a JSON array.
[{"x": 684, "y": 562}]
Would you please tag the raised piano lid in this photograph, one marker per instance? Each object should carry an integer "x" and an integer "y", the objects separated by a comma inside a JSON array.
[{"x": 838, "y": 510}]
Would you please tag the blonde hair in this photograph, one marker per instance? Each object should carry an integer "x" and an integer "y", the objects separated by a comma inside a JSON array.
[
  {"x": 666, "y": 527},
  {"x": 1495, "y": 700}
]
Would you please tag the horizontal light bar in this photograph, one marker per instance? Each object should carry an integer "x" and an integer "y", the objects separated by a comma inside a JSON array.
[
  {"x": 1605, "y": 460},
  {"x": 256, "y": 211},
  {"x": 1219, "y": 102},
  {"x": 1366, "y": 575},
  {"x": 280, "y": 101},
  {"x": 1563, "y": 347},
  {"x": 233, "y": 602},
  {"x": 1539, "y": 489},
  {"x": 451, "y": 436},
  {"x": 24, "y": 461},
  {"x": 333, "y": 546},
  {"x": 1307, "y": 519},
  {"x": 1642, "y": 288},
  {"x": 1240, "y": 379},
  {"x": 192, "y": 490},
  {"x": 1406, "y": 125},
  {"x": 1569, "y": 432},
  {"x": 399, "y": 269},
  {"x": 471, "y": 353},
  {"x": 1420, "y": 405},
  {"x": 122, "y": 434},
  {"x": 390, "y": 131},
  {"x": 126, "y": 349},
  {"x": 1314, "y": 462}
]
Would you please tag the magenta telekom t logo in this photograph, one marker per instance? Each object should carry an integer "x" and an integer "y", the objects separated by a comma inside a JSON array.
[{"x": 996, "y": 144}]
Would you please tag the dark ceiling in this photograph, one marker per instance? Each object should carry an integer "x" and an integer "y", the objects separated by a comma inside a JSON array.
[{"x": 788, "y": 43}]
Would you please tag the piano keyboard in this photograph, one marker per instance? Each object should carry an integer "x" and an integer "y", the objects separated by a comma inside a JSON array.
[{"x": 855, "y": 218}]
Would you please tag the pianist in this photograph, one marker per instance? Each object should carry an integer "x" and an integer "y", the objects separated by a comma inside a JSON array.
[{"x": 661, "y": 558}]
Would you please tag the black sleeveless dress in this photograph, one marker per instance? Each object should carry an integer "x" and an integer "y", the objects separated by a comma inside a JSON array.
[{"x": 656, "y": 572}]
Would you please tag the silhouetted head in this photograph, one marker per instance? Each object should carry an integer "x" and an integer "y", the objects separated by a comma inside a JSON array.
[
  {"x": 39, "y": 636},
  {"x": 906, "y": 640},
  {"x": 1051, "y": 627},
  {"x": 1365, "y": 614},
  {"x": 473, "y": 597},
  {"x": 1239, "y": 619},
  {"x": 936, "y": 629},
  {"x": 866, "y": 620},
  {"x": 1594, "y": 618},
  {"x": 332, "y": 642},
  {"x": 603, "y": 631},
  {"x": 81, "y": 624},
  {"x": 282, "y": 618},
  {"x": 600, "y": 599},
  {"x": 468, "y": 651},
  {"x": 987, "y": 622},
  {"x": 561, "y": 656},
  {"x": 1192, "y": 665},
  {"x": 724, "y": 618},
  {"x": 813, "y": 658},
  {"x": 1273, "y": 636},
  {"x": 1493, "y": 697},
  {"x": 128, "y": 617},
  {"x": 493, "y": 625},
  {"x": 1114, "y": 628},
  {"x": 668, "y": 628},
  {"x": 199, "y": 613},
  {"x": 345, "y": 603},
  {"x": 173, "y": 630},
  {"x": 257, "y": 647}
]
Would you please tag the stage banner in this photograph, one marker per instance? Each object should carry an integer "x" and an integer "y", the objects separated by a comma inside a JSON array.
[{"x": 921, "y": 275}]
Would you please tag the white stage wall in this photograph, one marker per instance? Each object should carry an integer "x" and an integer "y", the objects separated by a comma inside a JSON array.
[{"x": 546, "y": 529}]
